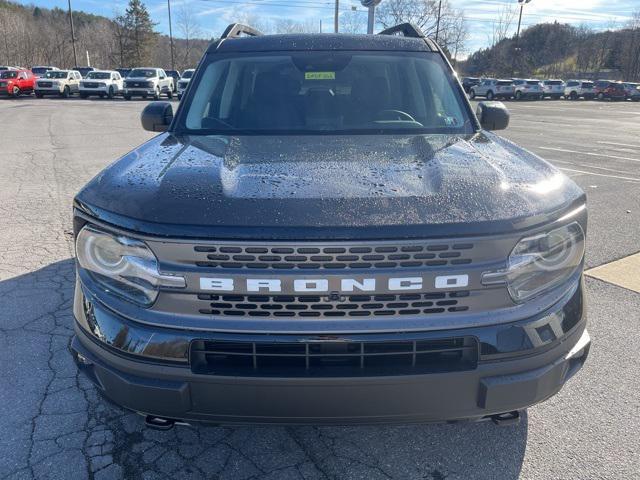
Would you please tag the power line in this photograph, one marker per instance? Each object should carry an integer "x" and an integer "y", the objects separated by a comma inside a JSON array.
[{"x": 304, "y": 4}]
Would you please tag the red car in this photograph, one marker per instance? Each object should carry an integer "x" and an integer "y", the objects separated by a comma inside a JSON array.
[
  {"x": 16, "y": 82},
  {"x": 604, "y": 89}
]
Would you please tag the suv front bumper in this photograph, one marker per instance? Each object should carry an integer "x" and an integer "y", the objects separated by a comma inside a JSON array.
[
  {"x": 140, "y": 92},
  {"x": 146, "y": 369}
]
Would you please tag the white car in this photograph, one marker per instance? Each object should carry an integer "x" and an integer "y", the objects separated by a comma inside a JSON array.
[
  {"x": 183, "y": 83},
  {"x": 148, "y": 82},
  {"x": 575, "y": 89},
  {"x": 527, "y": 88},
  {"x": 492, "y": 88},
  {"x": 553, "y": 88},
  {"x": 102, "y": 83},
  {"x": 63, "y": 83}
]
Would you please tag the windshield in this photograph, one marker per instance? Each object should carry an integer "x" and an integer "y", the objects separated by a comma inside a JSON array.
[
  {"x": 142, "y": 72},
  {"x": 553, "y": 82},
  {"x": 505, "y": 83},
  {"x": 9, "y": 74},
  {"x": 40, "y": 69},
  {"x": 188, "y": 74},
  {"x": 533, "y": 82},
  {"x": 55, "y": 74},
  {"x": 326, "y": 92},
  {"x": 99, "y": 75}
]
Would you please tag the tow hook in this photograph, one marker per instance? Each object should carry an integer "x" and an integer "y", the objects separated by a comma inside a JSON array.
[
  {"x": 159, "y": 423},
  {"x": 507, "y": 418}
]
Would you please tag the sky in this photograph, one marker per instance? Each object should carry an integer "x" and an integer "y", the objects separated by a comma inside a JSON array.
[{"x": 213, "y": 16}]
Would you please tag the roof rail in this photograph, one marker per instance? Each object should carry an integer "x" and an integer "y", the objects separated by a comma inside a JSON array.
[
  {"x": 235, "y": 30},
  {"x": 406, "y": 29}
]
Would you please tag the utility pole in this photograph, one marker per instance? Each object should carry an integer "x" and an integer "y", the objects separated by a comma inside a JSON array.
[
  {"x": 73, "y": 36},
  {"x": 173, "y": 67},
  {"x": 438, "y": 20},
  {"x": 335, "y": 17},
  {"x": 515, "y": 50}
]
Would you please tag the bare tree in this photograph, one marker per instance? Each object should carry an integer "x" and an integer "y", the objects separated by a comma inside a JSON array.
[
  {"x": 502, "y": 24},
  {"x": 424, "y": 14},
  {"x": 285, "y": 25},
  {"x": 189, "y": 29},
  {"x": 353, "y": 21}
]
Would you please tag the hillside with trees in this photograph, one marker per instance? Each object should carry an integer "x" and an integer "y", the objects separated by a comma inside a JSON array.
[
  {"x": 561, "y": 50},
  {"x": 40, "y": 36}
]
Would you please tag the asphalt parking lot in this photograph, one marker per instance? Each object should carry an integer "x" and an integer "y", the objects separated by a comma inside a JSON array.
[{"x": 53, "y": 425}]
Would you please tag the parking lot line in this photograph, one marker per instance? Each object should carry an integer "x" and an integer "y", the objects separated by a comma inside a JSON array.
[
  {"x": 555, "y": 149},
  {"x": 624, "y": 272},
  {"x": 636, "y": 180},
  {"x": 618, "y": 144}
]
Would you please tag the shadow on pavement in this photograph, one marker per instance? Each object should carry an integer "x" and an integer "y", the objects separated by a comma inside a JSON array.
[{"x": 56, "y": 426}]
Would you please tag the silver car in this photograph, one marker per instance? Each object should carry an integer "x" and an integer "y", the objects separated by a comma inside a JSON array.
[
  {"x": 553, "y": 89},
  {"x": 492, "y": 88},
  {"x": 527, "y": 88},
  {"x": 575, "y": 89}
]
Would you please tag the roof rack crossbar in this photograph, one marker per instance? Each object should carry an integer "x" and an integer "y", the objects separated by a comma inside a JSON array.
[
  {"x": 406, "y": 29},
  {"x": 235, "y": 30}
]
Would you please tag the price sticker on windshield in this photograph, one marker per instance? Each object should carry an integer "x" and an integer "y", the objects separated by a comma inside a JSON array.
[{"x": 320, "y": 75}]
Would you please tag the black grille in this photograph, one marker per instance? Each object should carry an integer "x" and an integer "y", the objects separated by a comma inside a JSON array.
[
  {"x": 137, "y": 84},
  {"x": 333, "y": 257},
  {"x": 327, "y": 358},
  {"x": 45, "y": 84},
  {"x": 90, "y": 85},
  {"x": 302, "y": 306}
]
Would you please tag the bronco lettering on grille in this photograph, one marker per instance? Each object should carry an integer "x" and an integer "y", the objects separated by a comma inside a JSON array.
[{"x": 309, "y": 285}]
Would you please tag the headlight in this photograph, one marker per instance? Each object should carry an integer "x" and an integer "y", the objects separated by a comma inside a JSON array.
[
  {"x": 123, "y": 266},
  {"x": 541, "y": 262}
]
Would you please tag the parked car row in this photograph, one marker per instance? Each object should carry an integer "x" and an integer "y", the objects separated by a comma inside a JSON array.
[
  {"x": 147, "y": 82},
  {"x": 534, "y": 89}
]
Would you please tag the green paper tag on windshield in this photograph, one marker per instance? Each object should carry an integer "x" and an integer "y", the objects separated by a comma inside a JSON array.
[{"x": 320, "y": 75}]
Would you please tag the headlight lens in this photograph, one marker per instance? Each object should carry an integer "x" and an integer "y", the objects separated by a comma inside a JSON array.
[
  {"x": 541, "y": 262},
  {"x": 122, "y": 266}
]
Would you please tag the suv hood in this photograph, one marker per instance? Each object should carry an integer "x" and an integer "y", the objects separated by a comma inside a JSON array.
[{"x": 327, "y": 186}]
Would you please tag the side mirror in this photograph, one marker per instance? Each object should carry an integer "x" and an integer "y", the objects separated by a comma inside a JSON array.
[
  {"x": 493, "y": 115},
  {"x": 157, "y": 116}
]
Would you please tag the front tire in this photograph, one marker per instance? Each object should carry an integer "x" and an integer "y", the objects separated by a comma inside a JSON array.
[
  {"x": 601, "y": 96},
  {"x": 156, "y": 95},
  {"x": 39, "y": 95},
  {"x": 490, "y": 95},
  {"x": 16, "y": 91},
  {"x": 472, "y": 94},
  {"x": 66, "y": 92},
  {"x": 111, "y": 93},
  {"x": 169, "y": 94},
  {"x": 127, "y": 97},
  {"x": 518, "y": 95}
]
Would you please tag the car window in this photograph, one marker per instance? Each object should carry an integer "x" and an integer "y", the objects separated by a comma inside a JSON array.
[
  {"x": 98, "y": 75},
  {"x": 504, "y": 83},
  {"x": 325, "y": 92},
  {"x": 188, "y": 74},
  {"x": 143, "y": 72}
]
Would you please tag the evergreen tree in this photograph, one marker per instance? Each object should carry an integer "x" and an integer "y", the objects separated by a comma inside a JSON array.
[{"x": 141, "y": 38}]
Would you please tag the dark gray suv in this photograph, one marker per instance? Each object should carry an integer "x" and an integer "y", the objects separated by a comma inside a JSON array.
[{"x": 325, "y": 232}]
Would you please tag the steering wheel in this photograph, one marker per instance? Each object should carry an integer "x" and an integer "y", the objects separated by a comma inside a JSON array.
[{"x": 398, "y": 115}]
